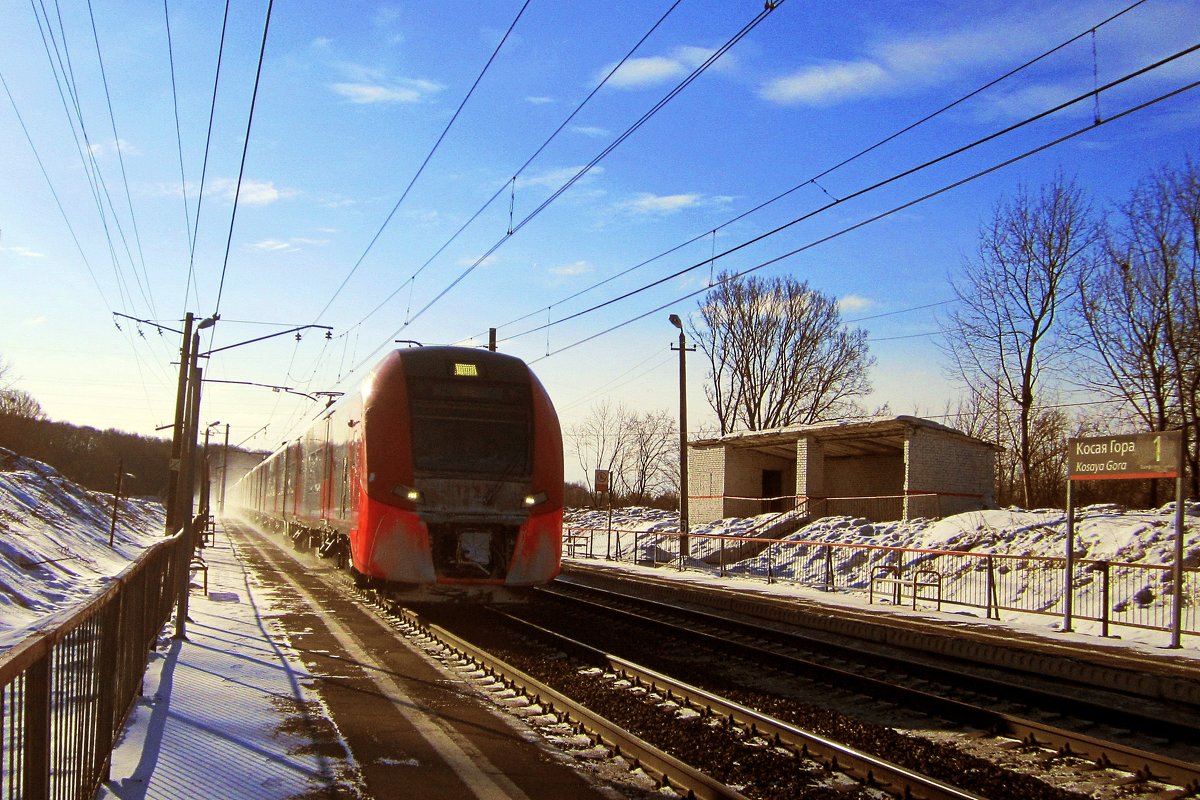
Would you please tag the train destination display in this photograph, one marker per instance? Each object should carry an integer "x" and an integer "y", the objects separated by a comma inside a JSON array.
[{"x": 1139, "y": 455}]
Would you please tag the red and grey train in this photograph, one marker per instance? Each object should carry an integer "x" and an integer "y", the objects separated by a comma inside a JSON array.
[{"x": 444, "y": 468}]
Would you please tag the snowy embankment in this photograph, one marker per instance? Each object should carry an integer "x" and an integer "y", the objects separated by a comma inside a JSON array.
[
  {"x": 54, "y": 552},
  {"x": 1139, "y": 595},
  {"x": 1102, "y": 532}
]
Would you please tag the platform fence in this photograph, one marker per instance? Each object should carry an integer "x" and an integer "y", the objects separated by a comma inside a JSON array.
[
  {"x": 1110, "y": 593},
  {"x": 65, "y": 691}
]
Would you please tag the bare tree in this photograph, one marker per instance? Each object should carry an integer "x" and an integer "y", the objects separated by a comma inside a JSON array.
[
  {"x": 1143, "y": 306},
  {"x": 599, "y": 441},
  {"x": 641, "y": 451},
  {"x": 650, "y": 467},
  {"x": 1008, "y": 328},
  {"x": 17, "y": 402},
  {"x": 779, "y": 354}
]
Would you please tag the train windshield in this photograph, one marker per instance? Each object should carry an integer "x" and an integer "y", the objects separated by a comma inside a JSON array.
[{"x": 471, "y": 427}]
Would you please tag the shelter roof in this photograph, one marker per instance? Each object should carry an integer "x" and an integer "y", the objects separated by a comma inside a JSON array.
[{"x": 868, "y": 436}]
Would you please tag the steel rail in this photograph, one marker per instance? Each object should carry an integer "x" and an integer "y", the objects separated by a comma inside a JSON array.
[
  {"x": 836, "y": 756},
  {"x": 1145, "y": 764},
  {"x": 667, "y": 770}
]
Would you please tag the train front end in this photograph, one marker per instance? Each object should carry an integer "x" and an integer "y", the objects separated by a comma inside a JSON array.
[{"x": 464, "y": 474}]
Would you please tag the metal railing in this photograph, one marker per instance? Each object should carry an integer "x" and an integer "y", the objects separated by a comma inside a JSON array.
[
  {"x": 65, "y": 692},
  {"x": 1105, "y": 592}
]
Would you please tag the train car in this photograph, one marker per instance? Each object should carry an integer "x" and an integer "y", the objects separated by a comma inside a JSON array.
[{"x": 444, "y": 468}]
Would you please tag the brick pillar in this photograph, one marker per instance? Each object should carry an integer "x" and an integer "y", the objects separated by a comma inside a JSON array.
[{"x": 810, "y": 472}]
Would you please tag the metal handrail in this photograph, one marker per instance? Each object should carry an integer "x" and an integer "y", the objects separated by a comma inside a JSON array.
[
  {"x": 1107, "y": 592},
  {"x": 65, "y": 691}
]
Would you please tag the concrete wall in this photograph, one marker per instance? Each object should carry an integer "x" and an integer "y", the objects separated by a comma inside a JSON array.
[
  {"x": 706, "y": 476},
  {"x": 963, "y": 472},
  {"x": 743, "y": 478},
  {"x": 871, "y": 487}
]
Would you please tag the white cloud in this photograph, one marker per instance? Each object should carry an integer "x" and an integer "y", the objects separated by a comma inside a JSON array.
[
  {"x": 104, "y": 148},
  {"x": 403, "y": 91},
  {"x": 828, "y": 83},
  {"x": 291, "y": 245},
  {"x": 556, "y": 177},
  {"x": 653, "y": 70},
  {"x": 22, "y": 252},
  {"x": 252, "y": 193},
  {"x": 572, "y": 269},
  {"x": 646, "y": 203},
  {"x": 590, "y": 130},
  {"x": 539, "y": 100},
  {"x": 273, "y": 245},
  {"x": 914, "y": 62},
  {"x": 854, "y": 302}
]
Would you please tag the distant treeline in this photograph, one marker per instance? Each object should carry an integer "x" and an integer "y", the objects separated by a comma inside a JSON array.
[{"x": 91, "y": 457}]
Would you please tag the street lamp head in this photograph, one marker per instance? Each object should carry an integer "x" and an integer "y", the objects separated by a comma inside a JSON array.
[
  {"x": 676, "y": 321},
  {"x": 208, "y": 322}
]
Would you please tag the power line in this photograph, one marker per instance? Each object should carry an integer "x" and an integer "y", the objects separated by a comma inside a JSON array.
[
  {"x": 187, "y": 214},
  {"x": 212, "y": 110},
  {"x": 245, "y": 148},
  {"x": 425, "y": 163},
  {"x": 121, "y": 161},
  {"x": 909, "y": 204},
  {"x": 844, "y": 162},
  {"x": 54, "y": 193},
  {"x": 411, "y": 281},
  {"x": 866, "y": 190},
  {"x": 658, "y": 106}
]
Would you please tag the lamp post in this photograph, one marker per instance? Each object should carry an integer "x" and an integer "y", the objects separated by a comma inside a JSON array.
[
  {"x": 684, "y": 551},
  {"x": 121, "y": 473},
  {"x": 206, "y": 474},
  {"x": 224, "y": 471},
  {"x": 187, "y": 424}
]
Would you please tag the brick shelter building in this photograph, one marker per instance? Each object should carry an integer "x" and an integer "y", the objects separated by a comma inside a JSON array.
[{"x": 882, "y": 468}]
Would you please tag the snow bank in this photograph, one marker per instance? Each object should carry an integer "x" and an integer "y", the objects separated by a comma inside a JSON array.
[{"x": 54, "y": 549}]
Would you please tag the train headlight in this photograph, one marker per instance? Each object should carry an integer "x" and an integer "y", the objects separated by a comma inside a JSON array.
[
  {"x": 537, "y": 499},
  {"x": 409, "y": 493}
]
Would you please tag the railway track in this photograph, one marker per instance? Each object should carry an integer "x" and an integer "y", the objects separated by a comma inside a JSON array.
[
  {"x": 1119, "y": 770},
  {"x": 826, "y": 765},
  {"x": 938, "y": 690}
]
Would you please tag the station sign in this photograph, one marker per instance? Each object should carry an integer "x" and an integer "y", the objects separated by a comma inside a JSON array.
[{"x": 1139, "y": 455}]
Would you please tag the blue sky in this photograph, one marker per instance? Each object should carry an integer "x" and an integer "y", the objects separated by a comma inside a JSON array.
[{"x": 353, "y": 97}]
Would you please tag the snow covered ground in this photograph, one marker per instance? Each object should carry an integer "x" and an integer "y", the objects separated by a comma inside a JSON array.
[
  {"x": 1102, "y": 533},
  {"x": 54, "y": 552}
]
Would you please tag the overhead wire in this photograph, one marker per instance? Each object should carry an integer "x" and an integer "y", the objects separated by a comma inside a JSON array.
[
  {"x": 387, "y": 220},
  {"x": 896, "y": 209},
  {"x": 866, "y": 190},
  {"x": 212, "y": 110},
  {"x": 829, "y": 170},
  {"x": 54, "y": 193},
  {"x": 245, "y": 149},
  {"x": 658, "y": 106},
  {"x": 117, "y": 145},
  {"x": 64, "y": 76},
  {"x": 767, "y": 9},
  {"x": 410, "y": 281},
  {"x": 187, "y": 214}
]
